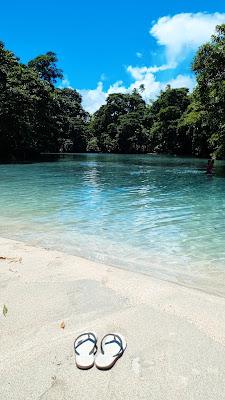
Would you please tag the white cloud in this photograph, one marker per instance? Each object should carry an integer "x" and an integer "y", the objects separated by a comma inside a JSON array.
[
  {"x": 117, "y": 87},
  {"x": 139, "y": 55},
  {"x": 153, "y": 86},
  {"x": 94, "y": 98},
  {"x": 65, "y": 83},
  {"x": 139, "y": 72},
  {"x": 179, "y": 35},
  {"x": 184, "y": 32},
  {"x": 183, "y": 81}
]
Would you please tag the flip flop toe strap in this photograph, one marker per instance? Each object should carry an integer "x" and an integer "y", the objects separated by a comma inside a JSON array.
[
  {"x": 117, "y": 339},
  {"x": 89, "y": 338}
]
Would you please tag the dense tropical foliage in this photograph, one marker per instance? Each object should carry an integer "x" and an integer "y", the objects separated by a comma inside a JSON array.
[{"x": 37, "y": 116}]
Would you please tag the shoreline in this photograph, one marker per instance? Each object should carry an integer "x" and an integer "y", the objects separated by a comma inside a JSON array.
[
  {"x": 175, "y": 334},
  {"x": 160, "y": 274}
]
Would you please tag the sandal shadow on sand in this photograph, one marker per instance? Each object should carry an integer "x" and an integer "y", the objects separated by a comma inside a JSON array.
[
  {"x": 85, "y": 347},
  {"x": 113, "y": 346}
]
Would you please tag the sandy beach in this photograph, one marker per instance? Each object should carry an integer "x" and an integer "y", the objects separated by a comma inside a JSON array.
[{"x": 175, "y": 335}]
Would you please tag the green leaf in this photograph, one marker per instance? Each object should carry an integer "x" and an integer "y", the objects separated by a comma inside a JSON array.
[{"x": 5, "y": 310}]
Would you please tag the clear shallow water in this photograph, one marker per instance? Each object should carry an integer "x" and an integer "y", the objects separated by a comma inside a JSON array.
[{"x": 158, "y": 215}]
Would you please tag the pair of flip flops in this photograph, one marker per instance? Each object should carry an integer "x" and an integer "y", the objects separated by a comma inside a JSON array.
[{"x": 113, "y": 346}]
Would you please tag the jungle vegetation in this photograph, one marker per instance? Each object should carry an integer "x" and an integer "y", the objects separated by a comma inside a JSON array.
[{"x": 37, "y": 116}]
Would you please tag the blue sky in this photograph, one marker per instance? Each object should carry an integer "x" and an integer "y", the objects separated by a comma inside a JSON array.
[{"x": 111, "y": 46}]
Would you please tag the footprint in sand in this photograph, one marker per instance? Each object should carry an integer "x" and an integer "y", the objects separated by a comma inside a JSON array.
[{"x": 136, "y": 366}]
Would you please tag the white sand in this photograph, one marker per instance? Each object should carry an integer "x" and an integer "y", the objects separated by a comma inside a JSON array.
[{"x": 175, "y": 335}]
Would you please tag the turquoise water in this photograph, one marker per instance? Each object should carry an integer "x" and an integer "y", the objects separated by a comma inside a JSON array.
[{"x": 158, "y": 215}]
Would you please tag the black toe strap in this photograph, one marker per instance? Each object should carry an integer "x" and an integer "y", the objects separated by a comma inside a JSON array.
[
  {"x": 117, "y": 339},
  {"x": 91, "y": 337}
]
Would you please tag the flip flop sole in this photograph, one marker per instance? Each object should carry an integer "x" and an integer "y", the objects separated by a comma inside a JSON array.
[
  {"x": 109, "y": 366},
  {"x": 84, "y": 360},
  {"x": 84, "y": 367},
  {"x": 107, "y": 361}
]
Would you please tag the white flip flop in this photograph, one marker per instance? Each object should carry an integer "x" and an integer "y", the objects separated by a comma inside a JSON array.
[
  {"x": 85, "y": 347},
  {"x": 113, "y": 346}
]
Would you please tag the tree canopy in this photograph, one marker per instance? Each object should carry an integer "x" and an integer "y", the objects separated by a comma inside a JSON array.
[
  {"x": 209, "y": 66},
  {"x": 46, "y": 67},
  {"x": 37, "y": 116},
  {"x": 118, "y": 126}
]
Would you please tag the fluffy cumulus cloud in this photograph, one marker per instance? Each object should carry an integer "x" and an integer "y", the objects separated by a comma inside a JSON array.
[
  {"x": 182, "y": 81},
  {"x": 94, "y": 98},
  {"x": 184, "y": 32},
  {"x": 178, "y": 36}
]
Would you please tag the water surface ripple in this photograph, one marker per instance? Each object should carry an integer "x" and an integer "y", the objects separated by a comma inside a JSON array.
[{"x": 157, "y": 215}]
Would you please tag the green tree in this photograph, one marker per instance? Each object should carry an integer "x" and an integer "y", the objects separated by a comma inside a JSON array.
[
  {"x": 194, "y": 131},
  {"x": 132, "y": 137},
  {"x": 165, "y": 113},
  {"x": 71, "y": 120},
  {"x": 46, "y": 67},
  {"x": 35, "y": 116},
  {"x": 118, "y": 125},
  {"x": 209, "y": 66}
]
